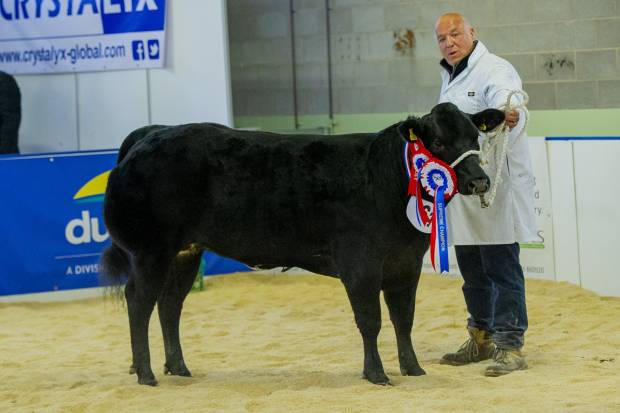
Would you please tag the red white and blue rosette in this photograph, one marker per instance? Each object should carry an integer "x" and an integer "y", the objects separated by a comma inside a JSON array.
[
  {"x": 436, "y": 178},
  {"x": 418, "y": 209},
  {"x": 439, "y": 181},
  {"x": 416, "y": 156},
  {"x": 415, "y": 217}
]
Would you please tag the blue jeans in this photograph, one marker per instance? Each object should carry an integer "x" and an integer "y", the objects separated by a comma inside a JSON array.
[{"x": 494, "y": 291}]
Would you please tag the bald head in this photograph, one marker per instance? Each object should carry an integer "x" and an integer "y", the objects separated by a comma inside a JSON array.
[
  {"x": 454, "y": 18},
  {"x": 455, "y": 37}
]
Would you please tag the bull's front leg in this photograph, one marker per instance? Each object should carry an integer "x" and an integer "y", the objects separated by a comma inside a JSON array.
[
  {"x": 364, "y": 294},
  {"x": 401, "y": 303}
]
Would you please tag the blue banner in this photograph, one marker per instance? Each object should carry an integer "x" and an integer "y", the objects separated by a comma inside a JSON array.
[
  {"x": 81, "y": 35},
  {"x": 51, "y": 223},
  {"x": 52, "y": 230}
]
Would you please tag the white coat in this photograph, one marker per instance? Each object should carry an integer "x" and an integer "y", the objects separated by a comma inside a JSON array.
[{"x": 486, "y": 83}]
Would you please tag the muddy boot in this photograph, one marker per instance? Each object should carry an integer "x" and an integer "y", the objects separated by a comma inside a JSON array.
[
  {"x": 479, "y": 347},
  {"x": 506, "y": 361}
]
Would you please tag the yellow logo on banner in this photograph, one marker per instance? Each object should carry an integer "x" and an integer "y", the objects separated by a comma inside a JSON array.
[
  {"x": 93, "y": 190},
  {"x": 87, "y": 228}
]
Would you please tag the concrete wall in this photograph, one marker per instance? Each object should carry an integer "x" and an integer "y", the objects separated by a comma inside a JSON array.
[
  {"x": 67, "y": 112},
  {"x": 585, "y": 227},
  {"x": 566, "y": 51}
]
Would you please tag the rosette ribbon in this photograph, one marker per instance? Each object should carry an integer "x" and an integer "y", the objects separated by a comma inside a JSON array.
[
  {"x": 436, "y": 178},
  {"x": 439, "y": 181},
  {"x": 416, "y": 155}
]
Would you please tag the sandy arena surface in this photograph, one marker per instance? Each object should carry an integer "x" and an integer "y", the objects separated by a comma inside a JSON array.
[{"x": 289, "y": 344}]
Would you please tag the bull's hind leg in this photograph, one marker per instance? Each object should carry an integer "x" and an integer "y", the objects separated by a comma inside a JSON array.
[
  {"x": 141, "y": 293},
  {"x": 401, "y": 303},
  {"x": 170, "y": 304}
]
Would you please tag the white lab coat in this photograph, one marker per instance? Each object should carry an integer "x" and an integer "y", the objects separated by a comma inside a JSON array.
[{"x": 486, "y": 83}]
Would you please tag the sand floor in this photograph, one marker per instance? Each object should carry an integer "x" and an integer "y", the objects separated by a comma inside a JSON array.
[{"x": 289, "y": 344}]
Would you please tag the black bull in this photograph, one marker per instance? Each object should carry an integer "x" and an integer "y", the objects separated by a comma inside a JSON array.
[{"x": 334, "y": 205}]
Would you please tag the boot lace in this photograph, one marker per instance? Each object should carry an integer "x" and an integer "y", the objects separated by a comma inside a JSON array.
[
  {"x": 469, "y": 347},
  {"x": 501, "y": 356}
]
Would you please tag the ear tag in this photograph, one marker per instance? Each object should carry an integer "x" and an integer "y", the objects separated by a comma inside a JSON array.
[
  {"x": 483, "y": 127},
  {"x": 412, "y": 136}
]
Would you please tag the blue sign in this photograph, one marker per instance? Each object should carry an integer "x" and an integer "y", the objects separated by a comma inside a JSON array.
[
  {"x": 133, "y": 16},
  {"x": 51, "y": 222},
  {"x": 52, "y": 230}
]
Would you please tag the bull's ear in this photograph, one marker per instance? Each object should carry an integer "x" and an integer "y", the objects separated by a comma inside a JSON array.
[
  {"x": 410, "y": 129},
  {"x": 488, "y": 119}
]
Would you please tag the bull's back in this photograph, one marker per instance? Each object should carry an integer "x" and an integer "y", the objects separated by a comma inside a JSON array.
[{"x": 239, "y": 191}]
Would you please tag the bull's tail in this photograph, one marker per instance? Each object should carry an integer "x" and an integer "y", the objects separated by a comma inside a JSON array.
[{"x": 115, "y": 267}]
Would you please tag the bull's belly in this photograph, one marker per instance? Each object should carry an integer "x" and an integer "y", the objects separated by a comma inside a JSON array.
[
  {"x": 256, "y": 248},
  {"x": 270, "y": 244},
  {"x": 268, "y": 258}
]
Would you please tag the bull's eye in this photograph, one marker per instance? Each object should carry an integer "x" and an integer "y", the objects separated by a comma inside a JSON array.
[{"x": 437, "y": 145}]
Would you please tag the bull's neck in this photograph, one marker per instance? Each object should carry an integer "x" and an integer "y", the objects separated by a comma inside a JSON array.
[{"x": 388, "y": 162}]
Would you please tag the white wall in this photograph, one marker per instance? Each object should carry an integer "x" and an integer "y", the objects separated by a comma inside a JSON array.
[
  {"x": 195, "y": 86},
  {"x": 586, "y": 218},
  {"x": 49, "y": 113},
  {"x": 67, "y": 112},
  {"x": 563, "y": 205}
]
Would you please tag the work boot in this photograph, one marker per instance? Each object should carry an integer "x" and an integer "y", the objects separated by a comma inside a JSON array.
[
  {"x": 477, "y": 348},
  {"x": 506, "y": 361}
]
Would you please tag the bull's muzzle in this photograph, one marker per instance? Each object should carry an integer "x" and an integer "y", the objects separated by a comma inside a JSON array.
[
  {"x": 478, "y": 186},
  {"x": 472, "y": 180}
]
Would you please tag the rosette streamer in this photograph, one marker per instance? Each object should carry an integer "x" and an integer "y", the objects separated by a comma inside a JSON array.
[{"x": 438, "y": 180}]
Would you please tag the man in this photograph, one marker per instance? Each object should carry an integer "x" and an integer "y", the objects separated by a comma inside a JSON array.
[
  {"x": 486, "y": 240},
  {"x": 10, "y": 113}
]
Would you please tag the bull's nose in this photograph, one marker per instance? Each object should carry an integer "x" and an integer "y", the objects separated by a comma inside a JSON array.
[{"x": 478, "y": 186}]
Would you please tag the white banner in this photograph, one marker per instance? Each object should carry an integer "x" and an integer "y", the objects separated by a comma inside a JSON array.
[
  {"x": 537, "y": 258},
  {"x": 52, "y": 36}
]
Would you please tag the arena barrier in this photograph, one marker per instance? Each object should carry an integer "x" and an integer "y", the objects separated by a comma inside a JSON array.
[{"x": 51, "y": 222}]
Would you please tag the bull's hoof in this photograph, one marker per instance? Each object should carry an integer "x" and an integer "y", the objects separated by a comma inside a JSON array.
[
  {"x": 412, "y": 371},
  {"x": 145, "y": 376},
  {"x": 179, "y": 370},
  {"x": 378, "y": 378},
  {"x": 148, "y": 381}
]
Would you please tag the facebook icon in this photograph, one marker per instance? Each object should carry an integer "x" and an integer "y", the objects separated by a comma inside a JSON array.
[{"x": 137, "y": 46}]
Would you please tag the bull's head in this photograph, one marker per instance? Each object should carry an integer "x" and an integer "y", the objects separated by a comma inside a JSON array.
[{"x": 448, "y": 133}]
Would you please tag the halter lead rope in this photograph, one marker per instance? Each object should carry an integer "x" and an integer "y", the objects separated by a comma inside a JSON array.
[
  {"x": 490, "y": 143},
  {"x": 463, "y": 156}
]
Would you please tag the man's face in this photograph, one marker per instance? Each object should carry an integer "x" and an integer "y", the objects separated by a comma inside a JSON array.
[{"x": 455, "y": 39}]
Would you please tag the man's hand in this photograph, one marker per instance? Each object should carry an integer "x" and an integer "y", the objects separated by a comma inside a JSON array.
[{"x": 512, "y": 118}]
